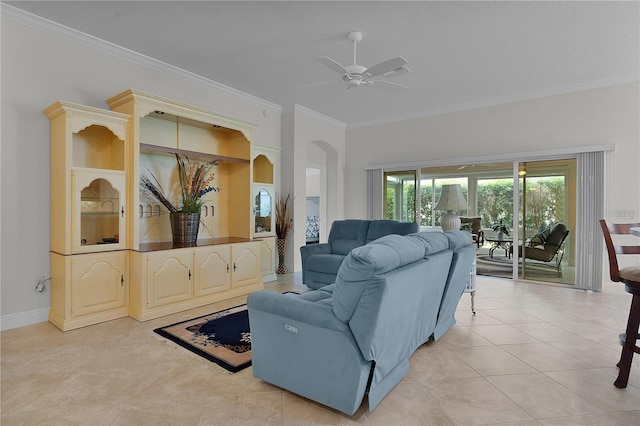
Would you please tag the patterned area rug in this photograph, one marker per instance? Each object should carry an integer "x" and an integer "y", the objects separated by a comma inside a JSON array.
[
  {"x": 222, "y": 337},
  {"x": 500, "y": 266}
]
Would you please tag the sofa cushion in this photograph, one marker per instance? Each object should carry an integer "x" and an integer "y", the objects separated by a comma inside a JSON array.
[
  {"x": 380, "y": 228},
  {"x": 345, "y": 235},
  {"x": 329, "y": 263},
  {"x": 432, "y": 242},
  {"x": 458, "y": 239},
  {"x": 363, "y": 263}
]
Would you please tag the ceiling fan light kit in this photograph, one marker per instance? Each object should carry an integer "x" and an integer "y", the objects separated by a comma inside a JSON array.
[{"x": 357, "y": 75}]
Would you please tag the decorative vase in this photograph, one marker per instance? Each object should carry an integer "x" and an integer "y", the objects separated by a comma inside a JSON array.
[
  {"x": 282, "y": 252},
  {"x": 184, "y": 227},
  {"x": 500, "y": 235}
]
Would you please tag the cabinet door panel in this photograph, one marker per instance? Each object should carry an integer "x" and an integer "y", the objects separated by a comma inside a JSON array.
[
  {"x": 268, "y": 258},
  {"x": 98, "y": 210},
  {"x": 263, "y": 210},
  {"x": 98, "y": 283},
  {"x": 212, "y": 270},
  {"x": 168, "y": 277},
  {"x": 246, "y": 264}
]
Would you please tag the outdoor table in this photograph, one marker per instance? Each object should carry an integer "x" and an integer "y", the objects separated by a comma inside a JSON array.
[{"x": 503, "y": 243}]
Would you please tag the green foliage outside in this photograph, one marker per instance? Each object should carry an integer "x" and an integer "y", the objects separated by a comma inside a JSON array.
[{"x": 545, "y": 202}]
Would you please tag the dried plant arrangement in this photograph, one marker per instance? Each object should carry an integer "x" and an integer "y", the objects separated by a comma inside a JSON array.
[
  {"x": 284, "y": 221},
  {"x": 195, "y": 183}
]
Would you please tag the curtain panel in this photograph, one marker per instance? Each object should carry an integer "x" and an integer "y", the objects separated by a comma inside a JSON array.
[{"x": 590, "y": 209}]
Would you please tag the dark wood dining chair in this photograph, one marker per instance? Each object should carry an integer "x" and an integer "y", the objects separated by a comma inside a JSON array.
[{"x": 630, "y": 276}]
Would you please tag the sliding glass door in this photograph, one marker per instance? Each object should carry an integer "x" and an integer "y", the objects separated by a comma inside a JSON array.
[
  {"x": 547, "y": 196},
  {"x": 430, "y": 190},
  {"x": 400, "y": 196}
]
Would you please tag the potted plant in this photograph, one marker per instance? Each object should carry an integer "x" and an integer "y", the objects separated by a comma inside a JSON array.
[
  {"x": 284, "y": 223},
  {"x": 195, "y": 180},
  {"x": 500, "y": 228}
]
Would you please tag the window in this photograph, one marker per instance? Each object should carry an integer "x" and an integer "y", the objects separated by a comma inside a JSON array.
[
  {"x": 400, "y": 196},
  {"x": 430, "y": 189}
]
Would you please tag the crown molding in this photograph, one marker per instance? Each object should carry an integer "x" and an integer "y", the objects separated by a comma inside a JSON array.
[
  {"x": 578, "y": 87},
  {"x": 547, "y": 154},
  {"x": 34, "y": 21},
  {"x": 299, "y": 108}
]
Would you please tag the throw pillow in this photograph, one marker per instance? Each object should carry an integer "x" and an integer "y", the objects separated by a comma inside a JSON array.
[{"x": 540, "y": 238}]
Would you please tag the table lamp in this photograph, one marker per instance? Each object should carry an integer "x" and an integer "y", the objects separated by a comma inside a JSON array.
[{"x": 451, "y": 199}]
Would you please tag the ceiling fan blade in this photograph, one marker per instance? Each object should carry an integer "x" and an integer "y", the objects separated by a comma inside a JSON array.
[
  {"x": 333, "y": 65},
  {"x": 318, "y": 84},
  {"x": 386, "y": 84},
  {"x": 386, "y": 66}
]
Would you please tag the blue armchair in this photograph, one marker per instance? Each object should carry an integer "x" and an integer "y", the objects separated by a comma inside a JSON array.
[{"x": 320, "y": 262}]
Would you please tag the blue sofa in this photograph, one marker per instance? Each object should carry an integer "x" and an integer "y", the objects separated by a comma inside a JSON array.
[
  {"x": 320, "y": 262},
  {"x": 355, "y": 337}
]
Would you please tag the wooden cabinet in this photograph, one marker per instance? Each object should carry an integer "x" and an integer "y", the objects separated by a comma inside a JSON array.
[
  {"x": 88, "y": 215},
  {"x": 105, "y": 230},
  {"x": 168, "y": 281},
  {"x": 88, "y": 289}
]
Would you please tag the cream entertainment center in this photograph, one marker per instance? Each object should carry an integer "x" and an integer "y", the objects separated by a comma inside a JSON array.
[{"x": 112, "y": 253}]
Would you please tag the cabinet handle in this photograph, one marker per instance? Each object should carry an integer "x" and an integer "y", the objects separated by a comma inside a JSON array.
[
  {"x": 189, "y": 274},
  {"x": 234, "y": 266},
  {"x": 122, "y": 210},
  {"x": 228, "y": 268},
  {"x": 122, "y": 280}
]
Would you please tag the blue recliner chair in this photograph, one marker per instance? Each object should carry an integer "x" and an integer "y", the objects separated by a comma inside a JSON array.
[{"x": 320, "y": 262}]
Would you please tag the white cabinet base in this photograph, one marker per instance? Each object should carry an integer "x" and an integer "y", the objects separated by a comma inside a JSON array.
[{"x": 197, "y": 277}]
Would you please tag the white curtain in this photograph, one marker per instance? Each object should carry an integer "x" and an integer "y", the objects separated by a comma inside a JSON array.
[
  {"x": 374, "y": 194},
  {"x": 590, "y": 209}
]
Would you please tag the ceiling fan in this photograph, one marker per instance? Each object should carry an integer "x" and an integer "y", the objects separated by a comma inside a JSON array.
[{"x": 357, "y": 75}]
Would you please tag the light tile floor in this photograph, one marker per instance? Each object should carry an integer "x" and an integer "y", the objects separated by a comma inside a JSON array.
[{"x": 533, "y": 355}]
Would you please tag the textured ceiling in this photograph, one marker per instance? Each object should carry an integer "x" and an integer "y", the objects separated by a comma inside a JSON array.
[{"x": 462, "y": 54}]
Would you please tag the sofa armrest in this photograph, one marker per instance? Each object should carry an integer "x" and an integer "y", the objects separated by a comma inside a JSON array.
[
  {"x": 311, "y": 249},
  {"x": 295, "y": 309},
  {"x": 306, "y": 251}
]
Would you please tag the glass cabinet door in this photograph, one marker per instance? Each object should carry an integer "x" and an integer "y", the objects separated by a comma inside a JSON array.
[
  {"x": 98, "y": 211},
  {"x": 263, "y": 210}
]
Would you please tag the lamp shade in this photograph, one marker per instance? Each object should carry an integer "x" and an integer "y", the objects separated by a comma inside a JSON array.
[{"x": 451, "y": 198}]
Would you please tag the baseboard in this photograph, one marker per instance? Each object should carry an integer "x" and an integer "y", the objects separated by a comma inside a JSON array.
[{"x": 22, "y": 319}]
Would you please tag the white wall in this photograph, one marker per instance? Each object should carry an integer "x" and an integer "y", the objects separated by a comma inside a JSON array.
[
  {"x": 39, "y": 68},
  {"x": 305, "y": 130},
  {"x": 609, "y": 115}
]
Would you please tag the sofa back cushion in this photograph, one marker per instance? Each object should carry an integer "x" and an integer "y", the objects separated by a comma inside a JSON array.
[
  {"x": 433, "y": 242},
  {"x": 364, "y": 264},
  {"x": 380, "y": 228},
  {"x": 397, "y": 308},
  {"x": 345, "y": 235}
]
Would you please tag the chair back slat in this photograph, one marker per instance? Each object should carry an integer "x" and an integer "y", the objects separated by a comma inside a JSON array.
[
  {"x": 612, "y": 249},
  {"x": 627, "y": 249}
]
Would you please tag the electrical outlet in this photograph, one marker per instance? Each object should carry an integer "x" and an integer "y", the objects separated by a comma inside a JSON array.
[{"x": 40, "y": 284}]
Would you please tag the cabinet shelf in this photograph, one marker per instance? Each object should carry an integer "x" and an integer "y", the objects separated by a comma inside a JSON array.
[
  {"x": 169, "y": 245},
  {"x": 91, "y": 213},
  {"x": 148, "y": 148}
]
